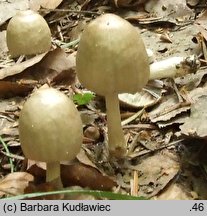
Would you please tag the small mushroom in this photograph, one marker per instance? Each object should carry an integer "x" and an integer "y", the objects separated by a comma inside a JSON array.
[
  {"x": 50, "y": 130},
  {"x": 28, "y": 33},
  {"x": 112, "y": 59}
]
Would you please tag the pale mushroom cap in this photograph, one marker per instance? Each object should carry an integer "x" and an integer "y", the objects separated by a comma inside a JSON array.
[
  {"x": 50, "y": 127},
  {"x": 111, "y": 57},
  {"x": 28, "y": 33}
]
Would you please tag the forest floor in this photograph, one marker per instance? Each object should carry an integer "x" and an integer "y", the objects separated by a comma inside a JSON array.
[{"x": 164, "y": 124}]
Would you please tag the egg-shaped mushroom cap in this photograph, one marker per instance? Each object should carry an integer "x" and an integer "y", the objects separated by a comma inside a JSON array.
[
  {"x": 28, "y": 33},
  {"x": 111, "y": 57},
  {"x": 50, "y": 127}
]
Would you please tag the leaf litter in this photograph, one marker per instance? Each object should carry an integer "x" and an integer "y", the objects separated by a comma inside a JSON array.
[{"x": 160, "y": 138}]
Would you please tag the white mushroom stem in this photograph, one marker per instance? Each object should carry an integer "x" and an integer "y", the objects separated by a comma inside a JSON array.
[
  {"x": 172, "y": 67},
  {"x": 151, "y": 56},
  {"x": 166, "y": 68},
  {"x": 116, "y": 141},
  {"x": 53, "y": 174}
]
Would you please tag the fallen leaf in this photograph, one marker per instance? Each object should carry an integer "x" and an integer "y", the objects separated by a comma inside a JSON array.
[
  {"x": 85, "y": 176},
  {"x": 55, "y": 67},
  {"x": 179, "y": 119},
  {"x": 128, "y": 3},
  {"x": 44, "y": 187},
  {"x": 168, "y": 108},
  {"x": 11, "y": 89},
  {"x": 77, "y": 175},
  {"x": 119, "y": 3},
  {"x": 50, "y": 4},
  {"x": 52, "y": 67},
  {"x": 201, "y": 24},
  {"x": 196, "y": 93},
  {"x": 155, "y": 172},
  {"x": 83, "y": 158},
  {"x": 162, "y": 8},
  {"x": 191, "y": 81},
  {"x": 47, "y": 4},
  {"x": 3, "y": 47},
  {"x": 175, "y": 192},
  {"x": 15, "y": 183},
  {"x": 192, "y": 3},
  {"x": 88, "y": 117},
  {"x": 195, "y": 125},
  {"x": 19, "y": 67},
  {"x": 10, "y": 8}
]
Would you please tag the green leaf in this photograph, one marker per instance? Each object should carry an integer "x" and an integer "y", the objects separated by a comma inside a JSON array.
[{"x": 83, "y": 99}]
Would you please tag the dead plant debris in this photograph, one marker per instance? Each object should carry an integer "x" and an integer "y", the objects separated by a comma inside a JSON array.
[{"x": 164, "y": 125}]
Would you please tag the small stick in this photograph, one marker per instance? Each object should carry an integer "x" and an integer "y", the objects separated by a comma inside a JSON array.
[
  {"x": 72, "y": 11},
  {"x": 135, "y": 185},
  {"x": 8, "y": 152}
]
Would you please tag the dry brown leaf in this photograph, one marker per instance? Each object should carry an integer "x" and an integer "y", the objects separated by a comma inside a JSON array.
[
  {"x": 10, "y": 8},
  {"x": 191, "y": 81},
  {"x": 127, "y": 3},
  {"x": 196, "y": 93},
  {"x": 119, "y": 3},
  {"x": 195, "y": 125},
  {"x": 192, "y": 3},
  {"x": 15, "y": 183},
  {"x": 175, "y": 9},
  {"x": 44, "y": 187},
  {"x": 11, "y": 89},
  {"x": 47, "y": 4},
  {"x": 85, "y": 176},
  {"x": 175, "y": 192},
  {"x": 171, "y": 114},
  {"x": 156, "y": 172},
  {"x": 168, "y": 109},
  {"x": 180, "y": 119},
  {"x": 83, "y": 158},
  {"x": 201, "y": 24},
  {"x": 50, "y": 4},
  {"x": 56, "y": 67},
  {"x": 19, "y": 67},
  {"x": 77, "y": 174},
  {"x": 53, "y": 67},
  {"x": 3, "y": 47}
]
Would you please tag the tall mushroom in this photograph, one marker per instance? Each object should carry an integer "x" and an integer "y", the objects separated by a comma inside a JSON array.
[
  {"x": 28, "y": 33},
  {"x": 50, "y": 130},
  {"x": 112, "y": 59}
]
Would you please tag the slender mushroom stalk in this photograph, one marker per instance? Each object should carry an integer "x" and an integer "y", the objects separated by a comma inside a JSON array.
[
  {"x": 53, "y": 173},
  {"x": 112, "y": 59},
  {"x": 115, "y": 132},
  {"x": 50, "y": 130},
  {"x": 28, "y": 33}
]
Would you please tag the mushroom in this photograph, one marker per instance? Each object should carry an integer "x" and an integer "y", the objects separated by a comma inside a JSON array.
[
  {"x": 112, "y": 59},
  {"x": 50, "y": 130},
  {"x": 28, "y": 33},
  {"x": 173, "y": 67}
]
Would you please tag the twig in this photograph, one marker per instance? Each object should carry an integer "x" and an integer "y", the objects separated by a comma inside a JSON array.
[
  {"x": 67, "y": 45},
  {"x": 140, "y": 126},
  {"x": 138, "y": 154},
  {"x": 8, "y": 153},
  {"x": 132, "y": 118},
  {"x": 13, "y": 156},
  {"x": 72, "y": 11}
]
